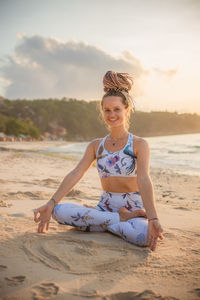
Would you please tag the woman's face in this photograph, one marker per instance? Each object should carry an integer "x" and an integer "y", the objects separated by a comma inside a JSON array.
[{"x": 114, "y": 111}]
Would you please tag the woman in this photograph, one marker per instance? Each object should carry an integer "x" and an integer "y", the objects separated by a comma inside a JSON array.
[{"x": 127, "y": 206}]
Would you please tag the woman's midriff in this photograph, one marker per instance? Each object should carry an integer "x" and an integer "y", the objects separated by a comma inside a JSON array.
[{"x": 120, "y": 184}]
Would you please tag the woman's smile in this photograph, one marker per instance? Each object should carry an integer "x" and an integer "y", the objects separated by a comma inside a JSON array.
[{"x": 113, "y": 120}]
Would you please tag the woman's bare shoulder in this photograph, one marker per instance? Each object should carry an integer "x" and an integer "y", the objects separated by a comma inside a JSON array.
[
  {"x": 139, "y": 139},
  {"x": 95, "y": 143},
  {"x": 139, "y": 143}
]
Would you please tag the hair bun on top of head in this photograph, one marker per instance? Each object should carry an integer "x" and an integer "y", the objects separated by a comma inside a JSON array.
[{"x": 117, "y": 81}]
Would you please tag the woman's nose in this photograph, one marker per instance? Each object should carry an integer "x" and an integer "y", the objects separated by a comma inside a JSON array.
[{"x": 112, "y": 113}]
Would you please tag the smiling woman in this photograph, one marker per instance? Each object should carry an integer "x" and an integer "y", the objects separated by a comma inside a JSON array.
[
  {"x": 126, "y": 207},
  {"x": 118, "y": 87}
]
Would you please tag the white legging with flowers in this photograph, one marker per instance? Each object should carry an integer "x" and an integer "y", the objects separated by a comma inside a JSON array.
[{"x": 105, "y": 217}]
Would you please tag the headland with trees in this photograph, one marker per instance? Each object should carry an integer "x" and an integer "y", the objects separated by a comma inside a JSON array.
[{"x": 71, "y": 119}]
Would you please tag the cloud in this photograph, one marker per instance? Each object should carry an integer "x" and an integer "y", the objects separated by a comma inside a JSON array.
[
  {"x": 46, "y": 67},
  {"x": 166, "y": 73}
]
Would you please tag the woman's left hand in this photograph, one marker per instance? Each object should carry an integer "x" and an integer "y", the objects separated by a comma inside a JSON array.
[{"x": 154, "y": 232}]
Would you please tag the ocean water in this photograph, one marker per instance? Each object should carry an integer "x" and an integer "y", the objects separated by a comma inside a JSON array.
[{"x": 179, "y": 153}]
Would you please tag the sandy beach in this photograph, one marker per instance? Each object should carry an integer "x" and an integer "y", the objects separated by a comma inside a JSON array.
[{"x": 68, "y": 264}]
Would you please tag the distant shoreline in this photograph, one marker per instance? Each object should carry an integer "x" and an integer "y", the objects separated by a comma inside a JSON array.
[{"x": 69, "y": 141}]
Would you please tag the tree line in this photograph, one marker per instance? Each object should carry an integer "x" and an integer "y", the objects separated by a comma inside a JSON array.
[{"x": 82, "y": 119}]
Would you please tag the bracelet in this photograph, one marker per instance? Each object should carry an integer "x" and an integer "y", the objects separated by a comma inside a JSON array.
[
  {"x": 54, "y": 201},
  {"x": 152, "y": 219}
]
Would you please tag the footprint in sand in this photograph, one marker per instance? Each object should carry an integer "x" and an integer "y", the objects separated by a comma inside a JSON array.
[
  {"x": 3, "y": 267},
  {"x": 49, "y": 182},
  {"x": 40, "y": 195},
  {"x": 196, "y": 292},
  {"x": 182, "y": 208},
  {"x": 145, "y": 295},
  {"x": 45, "y": 290},
  {"x": 4, "y": 204},
  {"x": 15, "y": 280},
  {"x": 75, "y": 193}
]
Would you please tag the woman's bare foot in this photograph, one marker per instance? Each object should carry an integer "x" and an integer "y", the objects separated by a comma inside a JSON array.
[
  {"x": 125, "y": 214},
  {"x": 89, "y": 206}
]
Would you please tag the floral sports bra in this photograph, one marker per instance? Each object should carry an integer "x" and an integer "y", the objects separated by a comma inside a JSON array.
[{"x": 120, "y": 163}]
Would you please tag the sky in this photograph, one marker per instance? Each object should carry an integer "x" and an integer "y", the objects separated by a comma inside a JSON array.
[{"x": 63, "y": 48}]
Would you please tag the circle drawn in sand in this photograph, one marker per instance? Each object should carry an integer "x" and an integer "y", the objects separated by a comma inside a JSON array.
[{"x": 79, "y": 256}]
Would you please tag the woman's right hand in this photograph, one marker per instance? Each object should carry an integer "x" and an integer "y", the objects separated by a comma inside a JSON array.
[{"x": 44, "y": 217}]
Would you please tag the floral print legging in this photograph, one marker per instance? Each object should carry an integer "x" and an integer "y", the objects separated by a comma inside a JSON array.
[{"x": 105, "y": 217}]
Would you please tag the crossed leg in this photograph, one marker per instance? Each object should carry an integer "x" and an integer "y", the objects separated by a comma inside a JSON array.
[{"x": 134, "y": 230}]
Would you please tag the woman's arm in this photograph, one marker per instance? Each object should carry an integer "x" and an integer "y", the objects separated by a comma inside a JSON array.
[
  {"x": 147, "y": 192},
  {"x": 143, "y": 179},
  {"x": 67, "y": 184},
  {"x": 77, "y": 173}
]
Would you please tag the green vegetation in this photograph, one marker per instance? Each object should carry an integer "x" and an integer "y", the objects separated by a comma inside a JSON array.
[
  {"x": 13, "y": 126},
  {"x": 164, "y": 123},
  {"x": 81, "y": 119}
]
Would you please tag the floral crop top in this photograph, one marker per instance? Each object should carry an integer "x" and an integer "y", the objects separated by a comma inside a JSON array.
[{"x": 120, "y": 163}]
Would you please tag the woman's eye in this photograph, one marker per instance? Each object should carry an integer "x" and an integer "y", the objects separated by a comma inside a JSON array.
[{"x": 115, "y": 110}]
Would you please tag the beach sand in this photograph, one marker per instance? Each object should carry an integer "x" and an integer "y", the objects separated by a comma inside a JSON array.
[{"x": 68, "y": 264}]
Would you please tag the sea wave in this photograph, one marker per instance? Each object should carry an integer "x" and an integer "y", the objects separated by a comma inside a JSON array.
[{"x": 179, "y": 153}]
